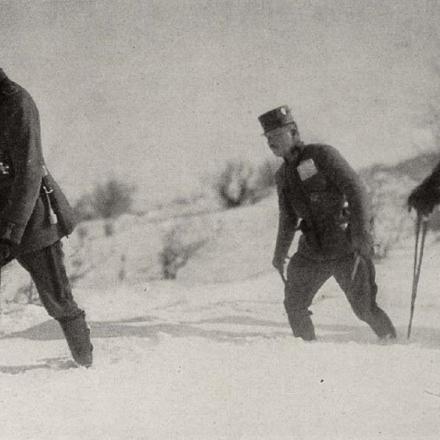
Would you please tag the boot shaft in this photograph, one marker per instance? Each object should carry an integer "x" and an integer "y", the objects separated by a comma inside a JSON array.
[{"x": 77, "y": 335}]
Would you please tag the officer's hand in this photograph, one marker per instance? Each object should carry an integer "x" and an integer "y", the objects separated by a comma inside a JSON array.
[
  {"x": 5, "y": 251},
  {"x": 421, "y": 202}
]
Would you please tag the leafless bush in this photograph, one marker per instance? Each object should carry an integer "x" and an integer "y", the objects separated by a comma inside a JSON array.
[
  {"x": 107, "y": 201},
  {"x": 239, "y": 183},
  {"x": 176, "y": 252},
  {"x": 113, "y": 198}
]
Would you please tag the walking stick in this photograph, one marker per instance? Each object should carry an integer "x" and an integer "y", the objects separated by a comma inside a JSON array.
[{"x": 421, "y": 224}]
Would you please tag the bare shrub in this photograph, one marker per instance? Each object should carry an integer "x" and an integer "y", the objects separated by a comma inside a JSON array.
[
  {"x": 176, "y": 252},
  {"x": 239, "y": 183},
  {"x": 108, "y": 201},
  {"x": 113, "y": 198},
  {"x": 233, "y": 185}
]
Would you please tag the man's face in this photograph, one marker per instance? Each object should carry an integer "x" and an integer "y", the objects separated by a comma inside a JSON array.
[{"x": 282, "y": 140}]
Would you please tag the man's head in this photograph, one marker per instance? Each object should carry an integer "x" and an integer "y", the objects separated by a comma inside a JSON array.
[{"x": 280, "y": 130}]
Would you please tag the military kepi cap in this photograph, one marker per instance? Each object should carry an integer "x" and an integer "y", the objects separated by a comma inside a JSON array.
[{"x": 276, "y": 118}]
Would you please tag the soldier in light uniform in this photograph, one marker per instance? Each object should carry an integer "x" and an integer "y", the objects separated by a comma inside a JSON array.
[
  {"x": 317, "y": 186},
  {"x": 35, "y": 215}
]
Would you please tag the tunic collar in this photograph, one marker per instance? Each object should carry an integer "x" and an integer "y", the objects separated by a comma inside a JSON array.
[{"x": 295, "y": 154}]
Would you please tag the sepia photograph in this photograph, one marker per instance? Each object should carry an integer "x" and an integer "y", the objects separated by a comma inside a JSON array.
[{"x": 219, "y": 220}]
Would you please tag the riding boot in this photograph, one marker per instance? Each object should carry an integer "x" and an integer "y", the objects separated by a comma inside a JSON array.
[
  {"x": 77, "y": 335},
  {"x": 302, "y": 325}
]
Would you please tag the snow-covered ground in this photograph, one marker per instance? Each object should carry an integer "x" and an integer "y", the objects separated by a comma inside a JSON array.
[{"x": 192, "y": 360}]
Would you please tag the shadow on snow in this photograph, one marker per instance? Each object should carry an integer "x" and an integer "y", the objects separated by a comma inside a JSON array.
[
  {"x": 150, "y": 327},
  {"x": 59, "y": 363}
]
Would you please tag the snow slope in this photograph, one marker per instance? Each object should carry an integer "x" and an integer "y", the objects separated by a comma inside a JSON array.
[{"x": 187, "y": 360}]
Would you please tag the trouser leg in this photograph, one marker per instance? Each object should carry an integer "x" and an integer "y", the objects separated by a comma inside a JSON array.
[
  {"x": 361, "y": 292},
  {"x": 304, "y": 278},
  {"x": 46, "y": 267}
]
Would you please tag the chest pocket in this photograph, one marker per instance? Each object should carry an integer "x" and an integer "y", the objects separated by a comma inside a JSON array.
[
  {"x": 324, "y": 199},
  {"x": 312, "y": 180}
]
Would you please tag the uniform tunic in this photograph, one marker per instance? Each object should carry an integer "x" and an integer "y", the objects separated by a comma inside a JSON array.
[
  {"x": 27, "y": 216},
  {"x": 24, "y": 211},
  {"x": 323, "y": 190}
]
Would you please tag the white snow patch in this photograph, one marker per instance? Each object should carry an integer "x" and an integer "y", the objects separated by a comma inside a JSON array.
[{"x": 197, "y": 361}]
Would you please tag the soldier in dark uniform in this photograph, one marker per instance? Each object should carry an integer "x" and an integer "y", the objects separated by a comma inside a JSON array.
[
  {"x": 35, "y": 215},
  {"x": 317, "y": 186},
  {"x": 426, "y": 195}
]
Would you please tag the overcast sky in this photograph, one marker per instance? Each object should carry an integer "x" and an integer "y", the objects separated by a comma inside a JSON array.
[{"x": 162, "y": 92}]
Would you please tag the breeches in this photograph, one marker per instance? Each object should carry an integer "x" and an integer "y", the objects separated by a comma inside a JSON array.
[
  {"x": 306, "y": 276},
  {"x": 47, "y": 270}
]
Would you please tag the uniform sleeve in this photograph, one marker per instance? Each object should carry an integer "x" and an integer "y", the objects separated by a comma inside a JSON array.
[
  {"x": 338, "y": 170},
  {"x": 287, "y": 223},
  {"x": 25, "y": 154},
  {"x": 429, "y": 189}
]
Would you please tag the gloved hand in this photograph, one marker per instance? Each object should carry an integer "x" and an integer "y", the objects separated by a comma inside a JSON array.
[
  {"x": 421, "y": 201},
  {"x": 5, "y": 251},
  {"x": 363, "y": 245}
]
